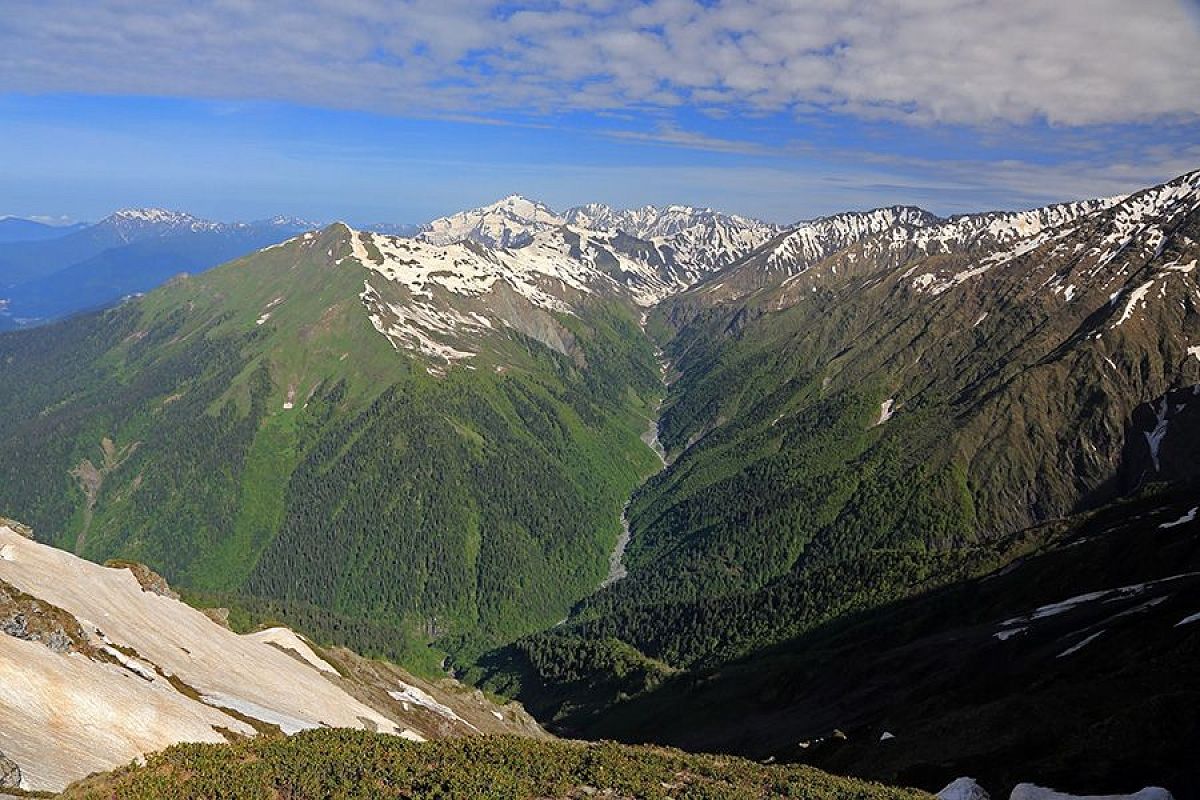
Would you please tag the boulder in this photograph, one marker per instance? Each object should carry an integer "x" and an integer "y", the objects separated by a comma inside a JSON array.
[
  {"x": 963, "y": 789},
  {"x": 1030, "y": 791}
]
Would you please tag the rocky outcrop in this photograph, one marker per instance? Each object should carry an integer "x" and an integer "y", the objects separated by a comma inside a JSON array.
[
  {"x": 10, "y": 773},
  {"x": 19, "y": 528},
  {"x": 968, "y": 789},
  {"x": 963, "y": 789},
  {"x": 150, "y": 580},
  {"x": 1030, "y": 791},
  {"x": 26, "y": 617}
]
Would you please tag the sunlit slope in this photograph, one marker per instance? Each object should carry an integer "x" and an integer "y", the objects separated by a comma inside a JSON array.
[{"x": 251, "y": 433}]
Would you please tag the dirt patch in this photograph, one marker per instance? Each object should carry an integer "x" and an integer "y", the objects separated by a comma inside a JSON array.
[{"x": 91, "y": 480}]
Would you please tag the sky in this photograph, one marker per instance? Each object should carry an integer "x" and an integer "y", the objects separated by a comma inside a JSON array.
[{"x": 403, "y": 110}]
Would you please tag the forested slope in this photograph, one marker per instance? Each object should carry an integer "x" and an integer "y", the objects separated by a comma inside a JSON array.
[
  {"x": 250, "y": 434},
  {"x": 879, "y": 422}
]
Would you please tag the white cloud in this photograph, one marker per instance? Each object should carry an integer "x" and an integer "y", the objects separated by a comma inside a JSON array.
[{"x": 1069, "y": 62}]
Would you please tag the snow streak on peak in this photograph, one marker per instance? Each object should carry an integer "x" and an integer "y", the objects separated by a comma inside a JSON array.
[
  {"x": 156, "y": 216},
  {"x": 441, "y": 299},
  {"x": 697, "y": 240},
  {"x": 134, "y": 223},
  {"x": 1094, "y": 233},
  {"x": 143, "y": 223},
  {"x": 809, "y": 242}
]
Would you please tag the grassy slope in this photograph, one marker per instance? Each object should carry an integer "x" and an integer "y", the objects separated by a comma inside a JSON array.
[{"x": 353, "y": 764}]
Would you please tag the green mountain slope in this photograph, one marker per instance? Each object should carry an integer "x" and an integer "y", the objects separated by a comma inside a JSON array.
[
  {"x": 1073, "y": 667},
  {"x": 349, "y": 764},
  {"x": 249, "y": 433},
  {"x": 878, "y": 422}
]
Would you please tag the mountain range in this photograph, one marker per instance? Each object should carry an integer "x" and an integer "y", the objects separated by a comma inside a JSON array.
[
  {"x": 49, "y": 273},
  {"x": 17, "y": 229},
  {"x": 636, "y": 467}
]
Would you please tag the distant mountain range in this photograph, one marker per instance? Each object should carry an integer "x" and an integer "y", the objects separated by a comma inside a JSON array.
[
  {"x": 15, "y": 229},
  {"x": 133, "y": 250}
]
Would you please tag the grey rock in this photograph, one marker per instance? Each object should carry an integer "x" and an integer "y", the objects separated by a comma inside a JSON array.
[
  {"x": 10, "y": 773},
  {"x": 963, "y": 789},
  {"x": 1030, "y": 791}
]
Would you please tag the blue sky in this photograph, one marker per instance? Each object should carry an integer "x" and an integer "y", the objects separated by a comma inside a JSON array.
[{"x": 400, "y": 111}]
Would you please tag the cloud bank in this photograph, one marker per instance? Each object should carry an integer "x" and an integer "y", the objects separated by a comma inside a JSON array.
[{"x": 971, "y": 62}]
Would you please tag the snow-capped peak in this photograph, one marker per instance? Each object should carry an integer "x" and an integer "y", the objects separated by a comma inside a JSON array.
[
  {"x": 152, "y": 216},
  {"x": 508, "y": 222},
  {"x": 281, "y": 221},
  {"x": 700, "y": 240},
  {"x": 135, "y": 223}
]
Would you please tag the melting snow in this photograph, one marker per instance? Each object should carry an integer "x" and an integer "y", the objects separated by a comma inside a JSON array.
[
  {"x": 289, "y": 640},
  {"x": 140, "y": 716},
  {"x": 1155, "y": 437},
  {"x": 1186, "y": 518},
  {"x": 139, "y": 668},
  {"x": 886, "y": 410},
  {"x": 287, "y": 723},
  {"x": 416, "y": 696},
  {"x": 1080, "y": 645},
  {"x": 1135, "y": 297}
]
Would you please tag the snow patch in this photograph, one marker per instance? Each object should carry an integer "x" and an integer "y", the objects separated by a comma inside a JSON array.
[
  {"x": 419, "y": 697},
  {"x": 1135, "y": 297},
  {"x": 1080, "y": 645},
  {"x": 886, "y": 410},
  {"x": 138, "y": 668},
  {"x": 289, "y": 640},
  {"x": 1185, "y": 519},
  {"x": 1005, "y": 635},
  {"x": 1155, "y": 437},
  {"x": 287, "y": 723}
]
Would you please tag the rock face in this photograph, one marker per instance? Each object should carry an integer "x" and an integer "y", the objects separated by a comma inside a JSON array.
[
  {"x": 963, "y": 789},
  {"x": 31, "y": 619},
  {"x": 150, "y": 580},
  {"x": 10, "y": 773}
]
